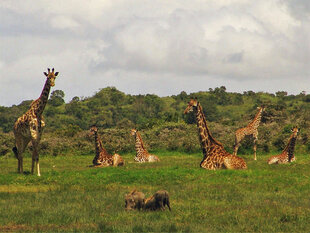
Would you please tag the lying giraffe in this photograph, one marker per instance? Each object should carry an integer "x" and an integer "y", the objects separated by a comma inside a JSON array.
[
  {"x": 30, "y": 125},
  {"x": 102, "y": 157},
  {"x": 249, "y": 130},
  {"x": 287, "y": 155},
  {"x": 142, "y": 155},
  {"x": 215, "y": 156}
]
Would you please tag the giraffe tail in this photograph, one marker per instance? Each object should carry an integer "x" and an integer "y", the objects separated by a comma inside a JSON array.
[{"x": 14, "y": 149}]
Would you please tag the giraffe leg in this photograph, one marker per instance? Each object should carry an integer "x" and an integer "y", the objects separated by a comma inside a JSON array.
[
  {"x": 35, "y": 158},
  {"x": 18, "y": 151},
  {"x": 15, "y": 150},
  {"x": 236, "y": 147},
  {"x": 20, "y": 165},
  {"x": 254, "y": 148},
  {"x": 35, "y": 130}
]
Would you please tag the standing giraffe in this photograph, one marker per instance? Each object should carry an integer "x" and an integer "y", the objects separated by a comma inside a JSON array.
[
  {"x": 215, "y": 156},
  {"x": 29, "y": 126},
  {"x": 102, "y": 157},
  {"x": 142, "y": 155},
  {"x": 249, "y": 130},
  {"x": 287, "y": 154}
]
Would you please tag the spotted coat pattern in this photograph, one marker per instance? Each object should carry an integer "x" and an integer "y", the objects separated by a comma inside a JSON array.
[
  {"x": 102, "y": 157},
  {"x": 287, "y": 155},
  {"x": 30, "y": 125},
  {"x": 215, "y": 156},
  {"x": 142, "y": 155},
  {"x": 249, "y": 130}
]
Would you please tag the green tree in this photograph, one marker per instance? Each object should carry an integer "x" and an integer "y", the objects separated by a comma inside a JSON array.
[
  {"x": 222, "y": 97},
  {"x": 281, "y": 94},
  {"x": 57, "y": 98},
  {"x": 238, "y": 99}
]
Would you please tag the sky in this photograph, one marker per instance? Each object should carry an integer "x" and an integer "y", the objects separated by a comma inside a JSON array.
[{"x": 153, "y": 47}]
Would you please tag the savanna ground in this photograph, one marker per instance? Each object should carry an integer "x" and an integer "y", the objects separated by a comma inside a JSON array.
[{"x": 70, "y": 196}]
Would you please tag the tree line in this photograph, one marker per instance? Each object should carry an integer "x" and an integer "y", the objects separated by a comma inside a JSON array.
[{"x": 161, "y": 120}]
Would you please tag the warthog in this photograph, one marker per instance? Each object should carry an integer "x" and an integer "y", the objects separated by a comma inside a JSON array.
[
  {"x": 158, "y": 201},
  {"x": 134, "y": 200}
]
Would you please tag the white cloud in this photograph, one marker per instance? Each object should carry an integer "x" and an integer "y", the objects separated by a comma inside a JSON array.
[
  {"x": 63, "y": 22},
  {"x": 160, "y": 47}
]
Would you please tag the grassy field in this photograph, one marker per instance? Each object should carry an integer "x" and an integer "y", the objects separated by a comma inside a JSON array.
[{"x": 70, "y": 196}]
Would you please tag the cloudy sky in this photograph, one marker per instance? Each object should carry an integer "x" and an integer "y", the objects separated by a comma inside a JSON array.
[{"x": 158, "y": 47}]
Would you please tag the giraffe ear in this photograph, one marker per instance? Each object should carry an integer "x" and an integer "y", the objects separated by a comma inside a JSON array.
[
  {"x": 45, "y": 74},
  {"x": 56, "y": 73}
]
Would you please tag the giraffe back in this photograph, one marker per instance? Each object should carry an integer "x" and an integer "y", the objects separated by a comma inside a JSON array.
[
  {"x": 246, "y": 131},
  {"x": 217, "y": 158}
]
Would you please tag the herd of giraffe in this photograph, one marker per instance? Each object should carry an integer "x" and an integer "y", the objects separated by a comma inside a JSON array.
[{"x": 30, "y": 125}]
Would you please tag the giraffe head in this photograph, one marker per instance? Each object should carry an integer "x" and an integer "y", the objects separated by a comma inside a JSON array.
[
  {"x": 93, "y": 130},
  {"x": 295, "y": 131},
  {"x": 133, "y": 132},
  {"x": 51, "y": 76},
  {"x": 262, "y": 108},
  {"x": 193, "y": 103}
]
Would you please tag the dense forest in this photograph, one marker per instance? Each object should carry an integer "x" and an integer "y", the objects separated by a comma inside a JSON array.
[{"x": 161, "y": 121}]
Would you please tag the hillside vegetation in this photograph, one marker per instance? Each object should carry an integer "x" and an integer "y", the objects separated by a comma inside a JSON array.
[{"x": 161, "y": 121}]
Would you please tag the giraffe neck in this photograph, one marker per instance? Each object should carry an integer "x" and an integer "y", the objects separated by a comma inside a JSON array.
[
  {"x": 257, "y": 119},
  {"x": 290, "y": 146},
  {"x": 205, "y": 136},
  {"x": 39, "y": 104},
  {"x": 98, "y": 145},
  {"x": 139, "y": 144}
]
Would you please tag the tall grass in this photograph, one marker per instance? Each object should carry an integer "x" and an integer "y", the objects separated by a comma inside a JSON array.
[{"x": 70, "y": 196}]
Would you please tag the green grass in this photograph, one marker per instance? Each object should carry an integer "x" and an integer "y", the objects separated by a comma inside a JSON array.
[{"x": 70, "y": 196}]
